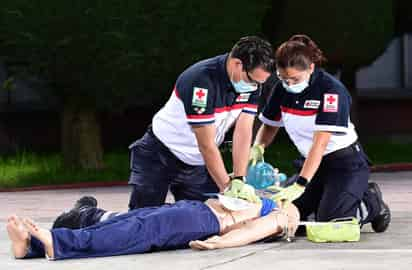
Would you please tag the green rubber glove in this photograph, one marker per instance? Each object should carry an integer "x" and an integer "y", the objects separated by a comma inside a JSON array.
[
  {"x": 256, "y": 154},
  {"x": 290, "y": 193},
  {"x": 241, "y": 190}
]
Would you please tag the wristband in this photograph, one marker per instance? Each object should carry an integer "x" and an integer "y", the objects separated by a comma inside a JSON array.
[
  {"x": 302, "y": 181},
  {"x": 243, "y": 178}
]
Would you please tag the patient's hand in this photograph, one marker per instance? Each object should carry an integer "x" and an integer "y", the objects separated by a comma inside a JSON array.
[{"x": 208, "y": 244}]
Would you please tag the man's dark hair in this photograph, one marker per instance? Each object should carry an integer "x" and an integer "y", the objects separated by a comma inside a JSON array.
[{"x": 254, "y": 52}]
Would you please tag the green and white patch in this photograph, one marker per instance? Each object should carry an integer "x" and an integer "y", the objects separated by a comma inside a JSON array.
[{"x": 199, "y": 97}]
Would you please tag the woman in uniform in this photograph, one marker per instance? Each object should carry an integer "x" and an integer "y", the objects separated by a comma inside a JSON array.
[{"x": 313, "y": 107}]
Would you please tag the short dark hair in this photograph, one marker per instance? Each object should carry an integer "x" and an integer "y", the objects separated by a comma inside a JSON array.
[
  {"x": 300, "y": 51},
  {"x": 254, "y": 52}
]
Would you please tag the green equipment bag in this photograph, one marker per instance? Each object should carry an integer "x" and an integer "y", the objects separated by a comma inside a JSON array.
[{"x": 337, "y": 230}]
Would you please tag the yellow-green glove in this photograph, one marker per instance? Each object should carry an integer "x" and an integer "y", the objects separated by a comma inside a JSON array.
[
  {"x": 241, "y": 190},
  {"x": 290, "y": 193},
  {"x": 256, "y": 154}
]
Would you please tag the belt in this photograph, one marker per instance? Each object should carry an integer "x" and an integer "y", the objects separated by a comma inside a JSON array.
[{"x": 354, "y": 148}]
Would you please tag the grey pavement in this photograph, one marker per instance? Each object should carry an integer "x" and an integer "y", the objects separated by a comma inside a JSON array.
[{"x": 389, "y": 250}]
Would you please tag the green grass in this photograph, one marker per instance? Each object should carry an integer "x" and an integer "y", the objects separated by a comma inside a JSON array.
[
  {"x": 383, "y": 151},
  {"x": 379, "y": 150},
  {"x": 31, "y": 169}
]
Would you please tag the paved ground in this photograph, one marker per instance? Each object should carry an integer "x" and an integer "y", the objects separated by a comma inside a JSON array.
[{"x": 390, "y": 250}]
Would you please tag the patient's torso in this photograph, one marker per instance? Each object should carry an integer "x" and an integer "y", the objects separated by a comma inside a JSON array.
[{"x": 229, "y": 218}]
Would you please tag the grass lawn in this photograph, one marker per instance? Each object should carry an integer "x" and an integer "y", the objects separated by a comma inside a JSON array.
[{"x": 30, "y": 169}]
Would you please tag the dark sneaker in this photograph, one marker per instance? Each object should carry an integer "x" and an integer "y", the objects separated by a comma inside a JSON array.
[
  {"x": 71, "y": 219},
  {"x": 84, "y": 202},
  {"x": 301, "y": 231},
  {"x": 381, "y": 222}
]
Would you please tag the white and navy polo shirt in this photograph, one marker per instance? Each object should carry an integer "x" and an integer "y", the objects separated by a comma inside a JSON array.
[
  {"x": 323, "y": 106},
  {"x": 203, "y": 95}
]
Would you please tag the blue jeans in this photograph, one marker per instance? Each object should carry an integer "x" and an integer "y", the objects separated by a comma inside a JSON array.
[{"x": 170, "y": 226}]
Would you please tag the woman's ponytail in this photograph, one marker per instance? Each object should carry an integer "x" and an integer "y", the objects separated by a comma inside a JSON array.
[{"x": 299, "y": 52}]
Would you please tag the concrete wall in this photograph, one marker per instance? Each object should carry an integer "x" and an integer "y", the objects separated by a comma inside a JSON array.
[{"x": 393, "y": 69}]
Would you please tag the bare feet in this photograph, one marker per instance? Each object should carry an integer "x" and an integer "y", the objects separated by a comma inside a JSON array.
[
  {"x": 19, "y": 236},
  {"x": 42, "y": 234}
]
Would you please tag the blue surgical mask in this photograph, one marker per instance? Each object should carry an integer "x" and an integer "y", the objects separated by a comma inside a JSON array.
[
  {"x": 244, "y": 87},
  {"x": 295, "y": 88}
]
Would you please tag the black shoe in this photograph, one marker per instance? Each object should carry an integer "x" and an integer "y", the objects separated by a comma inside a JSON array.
[
  {"x": 301, "y": 231},
  {"x": 71, "y": 219},
  {"x": 381, "y": 222},
  {"x": 84, "y": 202}
]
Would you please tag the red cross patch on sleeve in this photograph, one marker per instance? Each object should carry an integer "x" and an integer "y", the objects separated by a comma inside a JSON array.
[
  {"x": 330, "y": 102},
  {"x": 199, "y": 97}
]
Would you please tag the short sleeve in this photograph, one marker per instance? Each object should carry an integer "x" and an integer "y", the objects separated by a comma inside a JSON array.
[
  {"x": 251, "y": 105},
  {"x": 198, "y": 96},
  {"x": 271, "y": 114},
  {"x": 334, "y": 110}
]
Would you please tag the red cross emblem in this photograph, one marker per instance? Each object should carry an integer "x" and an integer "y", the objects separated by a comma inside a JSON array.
[
  {"x": 331, "y": 99},
  {"x": 330, "y": 103},
  {"x": 200, "y": 94},
  {"x": 199, "y": 97}
]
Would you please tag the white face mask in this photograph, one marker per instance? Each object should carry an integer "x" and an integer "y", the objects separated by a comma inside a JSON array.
[{"x": 295, "y": 88}]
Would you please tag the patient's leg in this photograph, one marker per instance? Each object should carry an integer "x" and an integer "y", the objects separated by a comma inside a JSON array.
[
  {"x": 42, "y": 234},
  {"x": 19, "y": 236}
]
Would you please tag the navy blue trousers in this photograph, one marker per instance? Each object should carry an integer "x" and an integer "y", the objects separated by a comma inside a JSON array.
[
  {"x": 170, "y": 226},
  {"x": 154, "y": 169},
  {"x": 338, "y": 188}
]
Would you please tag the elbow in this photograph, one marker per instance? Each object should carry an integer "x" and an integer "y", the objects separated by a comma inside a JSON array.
[{"x": 206, "y": 148}]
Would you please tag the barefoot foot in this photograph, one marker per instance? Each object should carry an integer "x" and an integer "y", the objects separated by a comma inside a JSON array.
[
  {"x": 42, "y": 234},
  {"x": 19, "y": 236}
]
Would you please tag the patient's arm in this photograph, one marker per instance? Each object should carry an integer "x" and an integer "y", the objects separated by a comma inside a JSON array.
[{"x": 245, "y": 233}]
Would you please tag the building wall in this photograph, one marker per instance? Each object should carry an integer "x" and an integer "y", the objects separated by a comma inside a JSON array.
[
  {"x": 393, "y": 69},
  {"x": 385, "y": 117}
]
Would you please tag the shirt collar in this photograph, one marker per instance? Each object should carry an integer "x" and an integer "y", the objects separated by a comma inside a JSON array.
[
  {"x": 315, "y": 75},
  {"x": 224, "y": 76}
]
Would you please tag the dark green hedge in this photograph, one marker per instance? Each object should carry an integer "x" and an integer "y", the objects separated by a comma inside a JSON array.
[
  {"x": 351, "y": 32},
  {"x": 403, "y": 16},
  {"x": 111, "y": 53}
]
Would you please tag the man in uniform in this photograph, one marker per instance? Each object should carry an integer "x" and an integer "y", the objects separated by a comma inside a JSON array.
[{"x": 180, "y": 151}]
